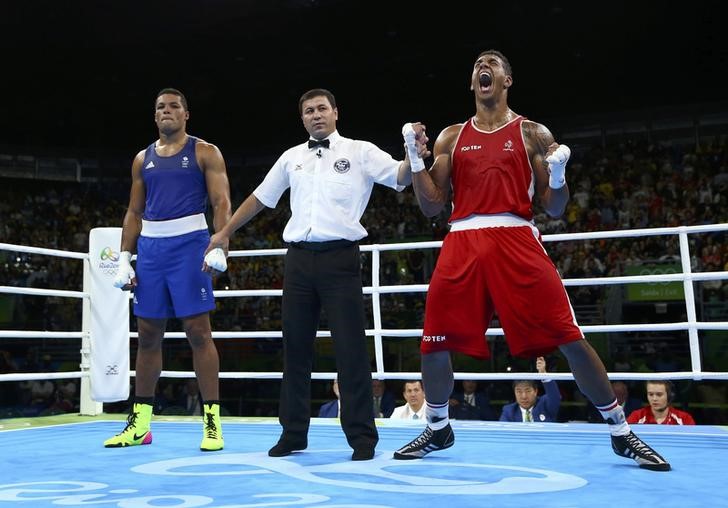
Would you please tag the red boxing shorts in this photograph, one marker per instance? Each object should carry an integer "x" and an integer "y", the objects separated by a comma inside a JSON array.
[{"x": 497, "y": 269}]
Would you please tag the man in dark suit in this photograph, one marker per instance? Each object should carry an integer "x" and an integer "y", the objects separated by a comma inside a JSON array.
[
  {"x": 529, "y": 407},
  {"x": 331, "y": 408},
  {"x": 382, "y": 400},
  {"x": 471, "y": 404}
]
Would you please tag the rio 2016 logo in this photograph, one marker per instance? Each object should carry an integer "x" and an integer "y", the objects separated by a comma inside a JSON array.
[
  {"x": 387, "y": 476},
  {"x": 108, "y": 263},
  {"x": 108, "y": 254}
]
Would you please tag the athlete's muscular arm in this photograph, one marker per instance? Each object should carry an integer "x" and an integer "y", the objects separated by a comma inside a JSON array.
[
  {"x": 432, "y": 187},
  {"x": 132, "y": 225},
  {"x": 212, "y": 163},
  {"x": 540, "y": 144}
]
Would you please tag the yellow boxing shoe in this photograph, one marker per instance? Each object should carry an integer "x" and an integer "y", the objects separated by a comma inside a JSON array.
[
  {"x": 211, "y": 428},
  {"x": 137, "y": 428}
]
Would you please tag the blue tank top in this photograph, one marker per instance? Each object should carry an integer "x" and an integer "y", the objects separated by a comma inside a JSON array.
[{"x": 175, "y": 185}]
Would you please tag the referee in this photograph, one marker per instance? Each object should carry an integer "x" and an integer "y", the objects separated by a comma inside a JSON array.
[{"x": 331, "y": 179}]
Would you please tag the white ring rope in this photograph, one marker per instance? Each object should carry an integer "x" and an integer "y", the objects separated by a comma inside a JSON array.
[
  {"x": 45, "y": 252},
  {"x": 43, "y": 292},
  {"x": 687, "y": 277}
]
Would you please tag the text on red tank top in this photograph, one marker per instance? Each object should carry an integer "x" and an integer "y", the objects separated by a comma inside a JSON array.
[{"x": 491, "y": 172}]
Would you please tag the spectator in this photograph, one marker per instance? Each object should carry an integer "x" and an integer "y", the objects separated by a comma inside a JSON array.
[
  {"x": 414, "y": 409},
  {"x": 65, "y": 394},
  {"x": 471, "y": 403},
  {"x": 529, "y": 407},
  {"x": 191, "y": 398},
  {"x": 383, "y": 400},
  {"x": 41, "y": 393},
  {"x": 660, "y": 395},
  {"x": 166, "y": 397},
  {"x": 332, "y": 409}
]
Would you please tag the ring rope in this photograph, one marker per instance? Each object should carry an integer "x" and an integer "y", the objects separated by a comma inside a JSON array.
[{"x": 687, "y": 277}]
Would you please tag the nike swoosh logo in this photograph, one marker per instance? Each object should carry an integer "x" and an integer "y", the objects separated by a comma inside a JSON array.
[{"x": 139, "y": 437}]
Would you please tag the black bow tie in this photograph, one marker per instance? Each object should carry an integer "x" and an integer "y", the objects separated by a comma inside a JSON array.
[{"x": 313, "y": 143}]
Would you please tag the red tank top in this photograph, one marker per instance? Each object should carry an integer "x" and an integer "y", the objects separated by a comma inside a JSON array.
[{"x": 491, "y": 172}]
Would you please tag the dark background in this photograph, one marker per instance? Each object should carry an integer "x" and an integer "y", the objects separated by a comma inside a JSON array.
[{"x": 81, "y": 77}]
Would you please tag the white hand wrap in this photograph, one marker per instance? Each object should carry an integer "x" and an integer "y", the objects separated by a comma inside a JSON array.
[
  {"x": 416, "y": 162},
  {"x": 215, "y": 259},
  {"x": 125, "y": 273},
  {"x": 557, "y": 166}
]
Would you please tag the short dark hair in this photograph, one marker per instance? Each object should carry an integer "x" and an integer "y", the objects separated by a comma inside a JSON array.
[
  {"x": 531, "y": 382},
  {"x": 506, "y": 64},
  {"x": 172, "y": 91},
  {"x": 316, "y": 92},
  {"x": 410, "y": 381}
]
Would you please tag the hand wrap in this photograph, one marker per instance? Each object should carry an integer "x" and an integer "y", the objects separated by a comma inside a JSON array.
[
  {"x": 557, "y": 166},
  {"x": 125, "y": 273},
  {"x": 216, "y": 260},
  {"x": 409, "y": 135}
]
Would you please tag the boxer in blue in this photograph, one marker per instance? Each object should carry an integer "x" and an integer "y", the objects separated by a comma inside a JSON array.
[{"x": 172, "y": 181}]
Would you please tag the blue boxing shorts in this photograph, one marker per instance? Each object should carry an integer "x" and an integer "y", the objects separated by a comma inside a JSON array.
[{"x": 170, "y": 280}]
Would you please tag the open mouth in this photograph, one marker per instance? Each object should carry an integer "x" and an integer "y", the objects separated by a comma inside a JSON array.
[{"x": 485, "y": 80}]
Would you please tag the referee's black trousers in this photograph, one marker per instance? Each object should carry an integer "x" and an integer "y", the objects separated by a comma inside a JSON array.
[{"x": 328, "y": 279}]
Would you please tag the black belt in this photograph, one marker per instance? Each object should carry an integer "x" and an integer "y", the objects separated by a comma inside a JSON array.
[{"x": 322, "y": 246}]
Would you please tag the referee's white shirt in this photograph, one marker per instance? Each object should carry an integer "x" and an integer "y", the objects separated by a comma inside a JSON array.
[
  {"x": 407, "y": 413},
  {"x": 330, "y": 187}
]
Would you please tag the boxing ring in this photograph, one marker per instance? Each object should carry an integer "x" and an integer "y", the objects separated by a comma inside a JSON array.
[{"x": 60, "y": 460}]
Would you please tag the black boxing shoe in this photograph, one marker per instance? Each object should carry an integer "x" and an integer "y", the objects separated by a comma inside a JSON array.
[
  {"x": 632, "y": 447},
  {"x": 429, "y": 441}
]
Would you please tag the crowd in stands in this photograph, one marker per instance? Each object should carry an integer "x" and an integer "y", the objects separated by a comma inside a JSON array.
[
  {"x": 643, "y": 186},
  {"x": 629, "y": 186}
]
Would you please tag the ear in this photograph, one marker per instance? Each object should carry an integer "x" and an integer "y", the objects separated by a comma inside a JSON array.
[
  {"x": 336, "y": 113},
  {"x": 508, "y": 82}
]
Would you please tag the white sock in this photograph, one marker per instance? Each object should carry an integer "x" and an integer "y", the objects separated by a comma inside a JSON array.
[
  {"x": 614, "y": 415},
  {"x": 437, "y": 415}
]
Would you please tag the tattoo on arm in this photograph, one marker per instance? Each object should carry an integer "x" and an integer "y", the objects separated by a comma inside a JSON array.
[{"x": 542, "y": 138}]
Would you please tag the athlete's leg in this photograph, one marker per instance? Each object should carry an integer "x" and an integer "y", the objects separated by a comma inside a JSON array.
[
  {"x": 592, "y": 379},
  {"x": 149, "y": 355},
  {"x": 205, "y": 359},
  {"x": 206, "y": 363},
  {"x": 437, "y": 376},
  {"x": 589, "y": 372},
  {"x": 148, "y": 368}
]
